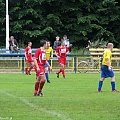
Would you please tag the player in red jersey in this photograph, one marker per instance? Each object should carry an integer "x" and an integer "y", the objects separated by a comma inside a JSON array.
[
  {"x": 40, "y": 61},
  {"x": 61, "y": 52},
  {"x": 28, "y": 58}
]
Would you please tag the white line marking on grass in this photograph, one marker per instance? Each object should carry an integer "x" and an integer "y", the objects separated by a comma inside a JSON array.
[{"x": 26, "y": 102}]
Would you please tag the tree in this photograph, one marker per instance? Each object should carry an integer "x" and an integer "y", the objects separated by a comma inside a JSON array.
[{"x": 31, "y": 20}]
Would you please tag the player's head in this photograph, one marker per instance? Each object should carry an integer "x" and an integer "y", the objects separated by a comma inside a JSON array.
[
  {"x": 48, "y": 44},
  {"x": 65, "y": 37},
  {"x": 43, "y": 43},
  {"x": 29, "y": 44},
  {"x": 57, "y": 38},
  {"x": 110, "y": 46},
  {"x": 62, "y": 43},
  {"x": 11, "y": 37}
]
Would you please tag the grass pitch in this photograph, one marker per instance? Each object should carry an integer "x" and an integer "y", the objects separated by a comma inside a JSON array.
[{"x": 73, "y": 98}]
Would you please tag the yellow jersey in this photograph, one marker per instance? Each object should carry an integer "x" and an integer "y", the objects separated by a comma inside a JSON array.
[
  {"x": 107, "y": 55},
  {"x": 49, "y": 52}
]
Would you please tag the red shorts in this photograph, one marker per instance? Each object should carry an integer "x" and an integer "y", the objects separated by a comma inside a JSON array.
[
  {"x": 41, "y": 72},
  {"x": 62, "y": 61}
]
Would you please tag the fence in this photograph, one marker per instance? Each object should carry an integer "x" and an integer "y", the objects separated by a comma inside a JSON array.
[{"x": 75, "y": 63}]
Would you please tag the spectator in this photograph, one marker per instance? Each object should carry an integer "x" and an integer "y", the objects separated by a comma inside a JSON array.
[
  {"x": 13, "y": 45},
  {"x": 56, "y": 43},
  {"x": 66, "y": 40}
]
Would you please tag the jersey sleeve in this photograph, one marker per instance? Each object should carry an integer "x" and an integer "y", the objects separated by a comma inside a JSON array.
[
  {"x": 51, "y": 52},
  {"x": 57, "y": 50}
]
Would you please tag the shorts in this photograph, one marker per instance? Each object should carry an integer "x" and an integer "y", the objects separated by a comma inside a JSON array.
[
  {"x": 45, "y": 66},
  {"x": 105, "y": 72},
  {"x": 62, "y": 61},
  {"x": 41, "y": 72}
]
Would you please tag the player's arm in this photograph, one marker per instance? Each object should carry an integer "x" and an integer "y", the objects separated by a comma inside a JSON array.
[
  {"x": 57, "y": 52},
  {"x": 31, "y": 55},
  {"x": 108, "y": 61},
  {"x": 35, "y": 60},
  {"x": 48, "y": 65},
  {"x": 67, "y": 50},
  {"x": 36, "y": 64},
  {"x": 51, "y": 53},
  {"x": 26, "y": 54}
]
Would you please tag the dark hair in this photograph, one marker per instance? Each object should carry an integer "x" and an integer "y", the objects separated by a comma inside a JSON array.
[
  {"x": 48, "y": 41},
  {"x": 62, "y": 40},
  {"x": 42, "y": 42}
]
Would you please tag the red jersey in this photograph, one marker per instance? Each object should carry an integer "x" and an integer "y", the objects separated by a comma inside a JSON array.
[
  {"x": 28, "y": 53},
  {"x": 62, "y": 51},
  {"x": 40, "y": 55}
]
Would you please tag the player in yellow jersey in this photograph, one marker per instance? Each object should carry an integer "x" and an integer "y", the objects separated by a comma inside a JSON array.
[
  {"x": 106, "y": 68},
  {"x": 49, "y": 54}
]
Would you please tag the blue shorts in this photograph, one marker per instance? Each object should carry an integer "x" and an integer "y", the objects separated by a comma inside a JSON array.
[
  {"x": 45, "y": 66},
  {"x": 105, "y": 72}
]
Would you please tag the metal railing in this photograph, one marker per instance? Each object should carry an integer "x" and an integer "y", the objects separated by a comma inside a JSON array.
[{"x": 75, "y": 63}]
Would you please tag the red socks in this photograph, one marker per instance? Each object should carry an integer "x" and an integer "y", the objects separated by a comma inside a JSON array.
[
  {"x": 26, "y": 70},
  {"x": 63, "y": 72},
  {"x": 59, "y": 71},
  {"x": 36, "y": 87},
  {"x": 42, "y": 82},
  {"x": 31, "y": 67},
  {"x": 39, "y": 86}
]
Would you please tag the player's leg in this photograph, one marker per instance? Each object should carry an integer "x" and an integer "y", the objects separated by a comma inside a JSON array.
[
  {"x": 103, "y": 76},
  {"x": 31, "y": 67},
  {"x": 46, "y": 74},
  {"x": 37, "y": 85},
  {"x": 26, "y": 68},
  {"x": 63, "y": 70},
  {"x": 100, "y": 84},
  {"x": 41, "y": 84},
  {"x": 63, "y": 67},
  {"x": 113, "y": 84},
  {"x": 59, "y": 71},
  {"x": 37, "y": 82}
]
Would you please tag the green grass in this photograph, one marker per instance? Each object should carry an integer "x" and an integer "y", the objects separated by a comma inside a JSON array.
[{"x": 73, "y": 98}]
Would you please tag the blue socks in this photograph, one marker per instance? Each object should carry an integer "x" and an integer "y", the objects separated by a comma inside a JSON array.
[
  {"x": 100, "y": 85},
  {"x": 46, "y": 75},
  {"x": 113, "y": 85}
]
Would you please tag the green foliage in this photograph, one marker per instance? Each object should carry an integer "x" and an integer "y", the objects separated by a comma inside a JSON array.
[
  {"x": 80, "y": 20},
  {"x": 100, "y": 43}
]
